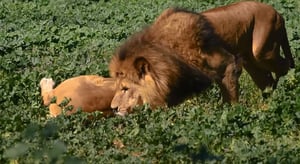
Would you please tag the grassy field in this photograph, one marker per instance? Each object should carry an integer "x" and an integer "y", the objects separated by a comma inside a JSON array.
[{"x": 62, "y": 39}]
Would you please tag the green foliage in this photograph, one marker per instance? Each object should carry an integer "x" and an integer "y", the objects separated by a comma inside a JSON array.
[{"x": 62, "y": 39}]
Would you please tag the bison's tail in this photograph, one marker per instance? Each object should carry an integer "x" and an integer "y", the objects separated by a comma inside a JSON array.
[
  {"x": 286, "y": 48},
  {"x": 47, "y": 85}
]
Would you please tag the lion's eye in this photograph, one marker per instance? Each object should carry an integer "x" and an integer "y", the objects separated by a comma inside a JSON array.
[
  {"x": 119, "y": 74},
  {"x": 124, "y": 89}
]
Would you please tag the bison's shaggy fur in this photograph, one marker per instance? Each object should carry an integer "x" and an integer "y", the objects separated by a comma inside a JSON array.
[{"x": 183, "y": 51}]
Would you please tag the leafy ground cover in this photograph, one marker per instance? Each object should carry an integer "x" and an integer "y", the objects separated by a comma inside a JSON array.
[{"x": 62, "y": 39}]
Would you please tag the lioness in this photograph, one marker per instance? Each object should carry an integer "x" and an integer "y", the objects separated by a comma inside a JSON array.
[
  {"x": 89, "y": 92},
  {"x": 182, "y": 51}
]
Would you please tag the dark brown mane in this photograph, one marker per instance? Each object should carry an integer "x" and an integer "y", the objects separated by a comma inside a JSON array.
[
  {"x": 165, "y": 74},
  {"x": 127, "y": 47}
]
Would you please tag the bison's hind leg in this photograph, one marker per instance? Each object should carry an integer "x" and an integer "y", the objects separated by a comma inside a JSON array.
[{"x": 47, "y": 85}]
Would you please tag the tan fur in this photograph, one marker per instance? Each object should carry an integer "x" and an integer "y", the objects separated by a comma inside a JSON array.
[
  {"x": 126, "y": 99},
  {"x": 183, "y": 51},
  {"x": 89, "y": 92}
]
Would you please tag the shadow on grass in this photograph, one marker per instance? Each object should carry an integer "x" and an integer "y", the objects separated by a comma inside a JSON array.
[{"x": 200, "y": 155}]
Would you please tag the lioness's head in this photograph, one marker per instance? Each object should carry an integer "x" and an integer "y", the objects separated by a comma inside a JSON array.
[{"x": 127, "y": 96}]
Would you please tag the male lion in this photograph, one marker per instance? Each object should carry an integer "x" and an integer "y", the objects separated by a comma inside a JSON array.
[
  {"x": 89, "y": 92},
  {"x": 182, "y": 51}
]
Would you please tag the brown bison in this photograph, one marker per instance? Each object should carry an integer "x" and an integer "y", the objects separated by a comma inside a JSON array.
[{"x": 183, "y": 51}]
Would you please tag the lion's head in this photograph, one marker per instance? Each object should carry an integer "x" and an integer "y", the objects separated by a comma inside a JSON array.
[
  {"x": 149, "y": 73},
  {"x": 135, "y": 84}
]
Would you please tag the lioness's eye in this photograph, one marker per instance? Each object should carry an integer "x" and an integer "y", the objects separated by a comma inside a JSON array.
[{"x": 124, "y": 89}]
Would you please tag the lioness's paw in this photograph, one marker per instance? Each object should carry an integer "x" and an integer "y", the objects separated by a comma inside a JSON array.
[{"x": 47, "y": 84}]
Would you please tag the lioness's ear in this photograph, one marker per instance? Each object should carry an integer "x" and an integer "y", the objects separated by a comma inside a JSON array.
[{"x": 142, "y": 66}]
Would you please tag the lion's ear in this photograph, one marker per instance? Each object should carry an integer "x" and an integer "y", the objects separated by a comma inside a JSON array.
[{"x": 142, "y": 66}]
